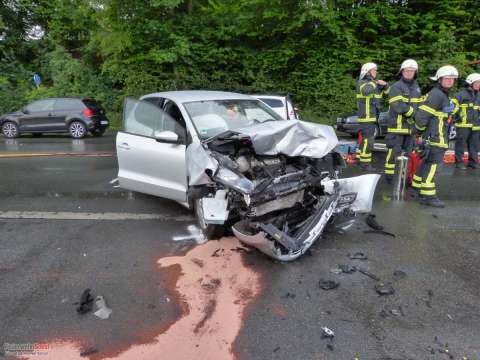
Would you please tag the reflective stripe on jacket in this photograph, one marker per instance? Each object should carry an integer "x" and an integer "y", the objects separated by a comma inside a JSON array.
[
  {"x": 466, "y": 109},
  {"x": 404, "y": 99},
  {"x": 368, "y": 94},
  {"x": 432, "y": 119}
]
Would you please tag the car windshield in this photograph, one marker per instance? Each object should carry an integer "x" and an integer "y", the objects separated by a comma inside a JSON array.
[{"x": 213, "y": 117}]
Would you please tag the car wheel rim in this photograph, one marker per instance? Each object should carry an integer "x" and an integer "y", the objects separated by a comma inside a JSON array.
[
  {"x": 77, "y": 130},
  {"x": 9, "y": 130}
]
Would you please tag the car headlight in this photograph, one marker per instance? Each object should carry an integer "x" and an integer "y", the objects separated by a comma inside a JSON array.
[{"x": 233, "y": 180}]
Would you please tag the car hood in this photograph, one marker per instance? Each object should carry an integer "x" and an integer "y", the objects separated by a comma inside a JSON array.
[{"x": 288, "y": 137}]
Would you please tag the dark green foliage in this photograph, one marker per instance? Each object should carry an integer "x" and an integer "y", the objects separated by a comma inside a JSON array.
[{"x": 313, "y": 49}]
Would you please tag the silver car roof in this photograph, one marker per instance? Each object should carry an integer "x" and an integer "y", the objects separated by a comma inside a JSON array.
[{"x": 184, "y": 96}]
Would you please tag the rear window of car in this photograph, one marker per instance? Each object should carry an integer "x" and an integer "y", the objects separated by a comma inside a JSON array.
[
  {"x": 67, "y": 104},
  {"x": 274, "y": 103},
  {"x": 95, "y": 106}
]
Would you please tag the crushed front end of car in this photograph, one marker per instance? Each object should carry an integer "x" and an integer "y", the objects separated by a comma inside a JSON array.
[{"x": 276, "y": 185}]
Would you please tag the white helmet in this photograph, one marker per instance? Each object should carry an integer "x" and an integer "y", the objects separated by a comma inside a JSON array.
[
  {"x": 472, "y": 78},
  {"x": 409, "y": 63},
  {"x": 447, "y": 70},
  {"x": 366, "y": 68}
]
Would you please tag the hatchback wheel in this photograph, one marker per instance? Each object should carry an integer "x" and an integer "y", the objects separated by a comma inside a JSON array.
[
  {"x": 10, "y": 129},
  {"x": 77, "y": 129}
]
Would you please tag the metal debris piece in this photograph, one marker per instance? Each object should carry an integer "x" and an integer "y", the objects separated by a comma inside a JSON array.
[
  {"x": 336, "y": 270},
  {"x": 328, "y": 284},
  {"x": 327, "y": 333},
  {"x": 369, "y": 274},
  {"x": 384, "y": 289},
  {"x": 86, "y": 302},
  {"x": 399, "y": 274},
  {"x": 358, "y": 256},
  {"x": 347, "y": 269},
  {"x": 103, "y": 311}
]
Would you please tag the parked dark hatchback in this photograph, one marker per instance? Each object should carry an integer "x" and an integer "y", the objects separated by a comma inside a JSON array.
[
  {"x": 350, "y": 124},
  {"x": 75, "y": 116}
]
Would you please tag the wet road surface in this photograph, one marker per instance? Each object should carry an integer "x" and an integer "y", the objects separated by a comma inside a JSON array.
[{"x": 219, "y": 300}]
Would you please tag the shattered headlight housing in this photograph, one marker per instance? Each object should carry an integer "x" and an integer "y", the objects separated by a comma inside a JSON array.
[{"x": 233, "y": 180}]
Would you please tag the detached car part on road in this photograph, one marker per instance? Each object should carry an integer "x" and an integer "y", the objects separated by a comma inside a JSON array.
[
  {"x": 235, "y": 162},
  {"x": 75, "y": 116}
]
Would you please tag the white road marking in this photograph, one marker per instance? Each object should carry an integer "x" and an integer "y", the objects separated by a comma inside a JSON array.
[{"x": 67, "y": 215}]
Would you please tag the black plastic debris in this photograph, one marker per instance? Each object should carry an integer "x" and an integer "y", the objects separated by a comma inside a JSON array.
[
  {"x": 216, "y": 252},
  {"x": 381, "y": 232},
  {"x": 399, "y": 274},
  {"x": 347, "y": 269},
  {"x": 276, "y": 349},
  {"x": 290, "y": 295},
  {"x": 372, "y": 222},
  {"x": 368, "y": 273},
  {"x": 384, "y": 289},
  {"x": 88, "y": 352},
  {"x": 358, "y": 256},
  {"x": 330, "y": 347},
  {"x": 328, "y": 284},
  {"x": 86, "y": 302},
  {"x": 327, "y": 333}
]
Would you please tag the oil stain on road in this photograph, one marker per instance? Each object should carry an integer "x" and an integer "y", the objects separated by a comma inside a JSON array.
[{"x": 214, "y": 289}]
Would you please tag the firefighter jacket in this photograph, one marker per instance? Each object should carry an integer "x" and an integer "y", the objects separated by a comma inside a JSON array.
[
  {"x": 368, "y": 95},
  {"x": 476, "y": 127},
  {"x": 404, "y": 99},
  {"x": 467, "y": 109},
  {"x": 432, "y": 117}
]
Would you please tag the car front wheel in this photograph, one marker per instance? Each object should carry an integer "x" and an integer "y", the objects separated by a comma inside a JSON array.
[
  {"x": 10, "y": 130},
  {"x": 210, "y": 231},
  {"x": 77, "y": 129}
]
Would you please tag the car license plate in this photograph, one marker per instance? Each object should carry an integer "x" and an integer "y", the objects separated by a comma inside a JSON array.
[{"x": 103, "y": 122}]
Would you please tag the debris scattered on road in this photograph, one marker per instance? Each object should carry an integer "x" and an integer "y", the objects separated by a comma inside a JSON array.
[
  {"x": 103, "y": 311},
  {"x": 328, "y": 284},
  {"x": 368, "y": 273},
  {"x": 399, "y": 274},
  {"x": 372, "y": 222},
  {"x": 276, "y": 349},
  {"x": 336, "y": 270},
  {"x": 358, "y": 256},
  {"x": 216, "y": 252},
  {"x": 384, "y": 289},
  {"x": 450, "y": 316},
  {"x": 327, "y": 333},
  {"x": 86, "y": 302},
  {"x": 381, "y": 232},
  {"x": 397, "y": 312},
  {"x": 241, "y": 249},
  {"x": 347, "y": 269},
  {"x": 88, "y": 352},
  {"x": 330, "y": 347},
  {"x": 290, "y": 295},
  {"x": 435, "y": 216}
]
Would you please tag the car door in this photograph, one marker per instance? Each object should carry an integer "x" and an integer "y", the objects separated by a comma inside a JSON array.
[
  {"x": 38, "y": 115},
  {"x": 146, "y": 163},
  {"x": 62, "y": 109}
]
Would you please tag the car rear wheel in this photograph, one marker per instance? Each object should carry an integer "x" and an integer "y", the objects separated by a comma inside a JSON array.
[
  {"x": 10, "y": 130},
  {"x": 77, "y": 129},
  {"x": 210, "y": 231}
]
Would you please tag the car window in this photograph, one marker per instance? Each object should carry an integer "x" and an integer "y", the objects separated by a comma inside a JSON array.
[
  {"x": 155, "y": 100},
  {"x": 145, "y": 119},
  {"x": 67, "y": 104},
  {"x": 274, "y": 103},
  {"x": 41, "y": 105},
  {"x": 178, "y": 125}
]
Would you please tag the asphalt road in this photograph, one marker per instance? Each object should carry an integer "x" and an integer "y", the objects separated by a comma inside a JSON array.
[{"x": 65, "y": 228}]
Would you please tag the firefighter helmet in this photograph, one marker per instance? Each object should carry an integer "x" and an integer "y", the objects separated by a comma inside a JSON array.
[
  {"x": 366, "y": 68},
  {"x": 472, "y": 78},
  {"x": 409, "y": 63},
  {"x": 445, "y": 71}
]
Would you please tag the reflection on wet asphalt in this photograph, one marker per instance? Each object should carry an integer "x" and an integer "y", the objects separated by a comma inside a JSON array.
[{"x": 160, "y": 289}]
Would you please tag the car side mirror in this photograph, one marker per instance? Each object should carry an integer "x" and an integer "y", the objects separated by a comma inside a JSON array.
[{"x": 166, "y": 136}]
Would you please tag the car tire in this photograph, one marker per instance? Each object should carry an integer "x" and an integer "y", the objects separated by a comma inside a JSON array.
[
  {"x": 77, "y": 129},
  {"x": 10, "y": 130},
  {"x": 210, "y": 231}
]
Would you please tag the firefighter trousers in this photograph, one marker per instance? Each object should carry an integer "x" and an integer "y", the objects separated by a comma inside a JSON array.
[
  {"x": 396, "y": 144},
  {"x": 424, "y": 178},
  {"x": 368, "y": 140},
  {"x": 466, "y": 139}
]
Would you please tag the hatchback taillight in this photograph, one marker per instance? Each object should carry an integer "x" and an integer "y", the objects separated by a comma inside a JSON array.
[{"x": 88, "y": 112}]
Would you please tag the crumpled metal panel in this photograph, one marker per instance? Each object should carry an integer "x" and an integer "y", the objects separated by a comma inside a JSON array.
[
  {"x": 198, "y": 160},
  {"x": 291, "y": 138}
]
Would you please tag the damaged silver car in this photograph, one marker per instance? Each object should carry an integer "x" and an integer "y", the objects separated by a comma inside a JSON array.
[{"x": 275, "y": 183}]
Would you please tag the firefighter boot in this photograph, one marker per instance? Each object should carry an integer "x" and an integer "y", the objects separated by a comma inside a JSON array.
[{"x": 432, "y": 201}]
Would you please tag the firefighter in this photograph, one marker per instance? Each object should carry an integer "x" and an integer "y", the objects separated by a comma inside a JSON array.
[
  {"x": 404, "y": 98},
  {"x": 431, "y": 119},
  {"x": 466, "y": 117},
  {"x": 369, "y": 93}
]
